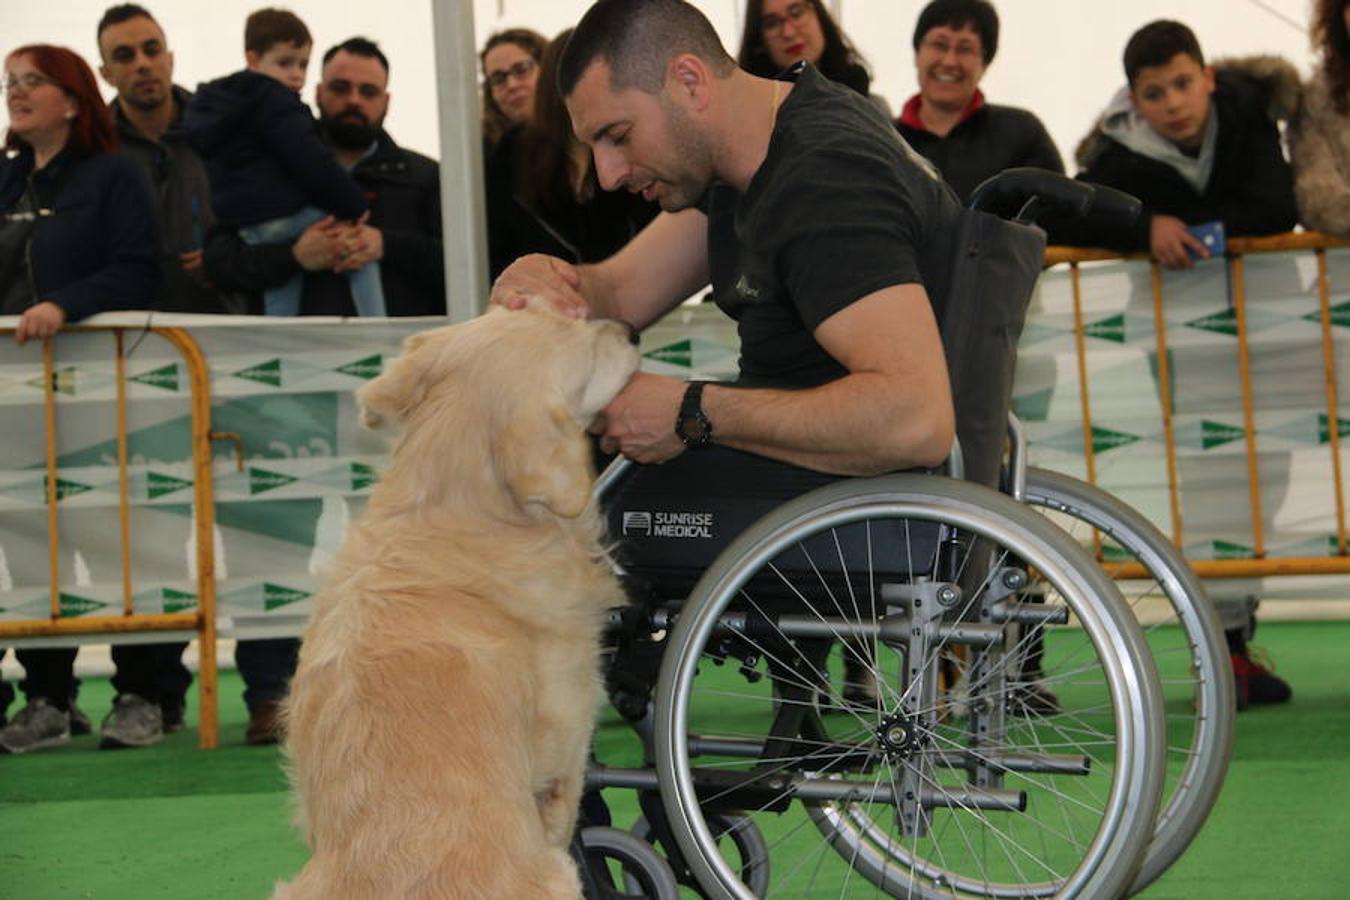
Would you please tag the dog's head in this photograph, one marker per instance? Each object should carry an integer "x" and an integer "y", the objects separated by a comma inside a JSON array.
[{"x": 510, "y": 392}]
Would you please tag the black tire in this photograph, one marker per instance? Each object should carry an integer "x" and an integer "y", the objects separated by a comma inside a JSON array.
[{"x": 642, "y": 869}]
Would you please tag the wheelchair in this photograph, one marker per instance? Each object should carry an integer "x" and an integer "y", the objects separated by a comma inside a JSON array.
[{"x": 765, "y": 604}]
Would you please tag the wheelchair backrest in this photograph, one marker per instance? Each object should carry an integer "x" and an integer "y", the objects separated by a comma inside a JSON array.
[{"x": 994, "y": 270}]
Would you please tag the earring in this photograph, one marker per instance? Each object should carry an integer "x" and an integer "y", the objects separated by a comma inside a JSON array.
[{"x": 70, "y": 114}]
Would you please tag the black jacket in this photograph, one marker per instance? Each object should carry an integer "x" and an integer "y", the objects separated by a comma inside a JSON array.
[
  {"x": 994, "y": 138},
  {"x": 403, "y": 188},
  {"x": 264, "y": 153},
  {"x": 577, "y": 232},
  {"x": 97, "y": 251},
  {"x": 183, "y": 203},
  {"x": 1250, "y": 188}
]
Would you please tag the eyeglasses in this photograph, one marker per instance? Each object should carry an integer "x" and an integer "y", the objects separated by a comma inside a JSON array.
[
  {"x": 343, "y": 87},
  {"x": 29, "y": 81},
  {"x": 941, "y": 46},
  {"x": 519, "y": 70},
  {"x": 773, "y": 24}
]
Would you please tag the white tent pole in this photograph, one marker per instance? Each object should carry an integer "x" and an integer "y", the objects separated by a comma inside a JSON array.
[{"x": 462, "y": 207}]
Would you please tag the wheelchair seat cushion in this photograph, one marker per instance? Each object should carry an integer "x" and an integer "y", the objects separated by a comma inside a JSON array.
[{"x": 671, "y": 521}]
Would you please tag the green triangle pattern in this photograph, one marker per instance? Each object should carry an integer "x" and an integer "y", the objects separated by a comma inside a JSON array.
[
  {"x": 1111, "y": 328},
  {"x": 1324, "y": 428},
  {"x": 1104, "y": 439},
  {"x": 367, "y": 368},
  {"x": 158, "y": 485},
  {"x": 691, "y": 353},
  {"x": 680, "y": 353},
  {"x": 166, "y": 377},
  {"x": 1231, "y": 550},
  {"x": 261, "y": 480},
  {"x": 166, "y": 599},
  {"x": 1340, "y": 315},
  {"x": 268, "y": 373},
  {"x": 66, "y": 488},
  {"x": 72, "y": 605},
  {"x": 275, "y": 596},
  {"x": 1216, "y": 434},
  {"x": 177, "y": 601},
  {"x": 1222, "y": 323},
  {"x": 363, "y": 476}
]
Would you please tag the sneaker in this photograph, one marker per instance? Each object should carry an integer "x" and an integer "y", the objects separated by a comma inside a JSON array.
[
  {"x": 133, "y": 722},
  {"x": 264, "y": 723},
  {"x": 1255, "y": 682},
  {"x": 79, "y": 722},
  {"x": 37, "y": 726}
]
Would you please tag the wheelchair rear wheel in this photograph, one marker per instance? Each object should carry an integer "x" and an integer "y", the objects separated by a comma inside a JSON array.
[
  {"x": 916, "y": 770},
  {"x": 1187, "y": 643}
]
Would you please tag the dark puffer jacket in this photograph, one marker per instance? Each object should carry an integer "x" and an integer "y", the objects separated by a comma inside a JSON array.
[
  {"x": 1250, "y": 188},
  {"x": 405, "y": 205},
  {"x": 989, "y": 140},
  {"x": 263, "y": 152}
]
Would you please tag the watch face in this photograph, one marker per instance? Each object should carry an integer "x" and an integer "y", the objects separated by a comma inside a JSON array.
[{"x": 693, "y": 429}]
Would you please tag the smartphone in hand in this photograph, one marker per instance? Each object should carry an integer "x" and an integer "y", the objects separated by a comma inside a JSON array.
[{"x": 1211, "y": 234}]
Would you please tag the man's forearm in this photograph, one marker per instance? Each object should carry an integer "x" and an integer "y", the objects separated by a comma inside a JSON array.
[{"x": 862, "y": 424}]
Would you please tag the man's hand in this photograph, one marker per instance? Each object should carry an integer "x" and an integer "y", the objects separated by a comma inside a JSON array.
[
  {"x": 359, "y": 245},
  {"x": 39, "y": 322},
  {"x": 1169, "y": 240},
  {"x": 640, "y": 421},
  {"x": 537, "y": 275},
  {"x": 317, "y": 247}
]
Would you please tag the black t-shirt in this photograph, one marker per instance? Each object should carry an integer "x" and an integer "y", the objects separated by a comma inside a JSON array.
[{"x": 841, "y": 208}]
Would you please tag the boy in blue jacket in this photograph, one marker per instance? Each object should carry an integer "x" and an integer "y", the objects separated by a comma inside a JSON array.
[{"x": 271, "y": 174}]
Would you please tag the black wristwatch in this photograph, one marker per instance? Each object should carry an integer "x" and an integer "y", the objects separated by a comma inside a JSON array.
[{"x": 692, "y": 423}]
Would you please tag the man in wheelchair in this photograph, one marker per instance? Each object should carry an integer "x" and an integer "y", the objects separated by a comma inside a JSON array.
[
  {"x": 850, "y": 269},
  {"x": 820, "y": 231}
]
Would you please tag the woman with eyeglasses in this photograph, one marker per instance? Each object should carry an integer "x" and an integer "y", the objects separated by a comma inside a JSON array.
[
  {"x": 542, "y": 192},
  {"x": 510, "y": 61},
  {"x": 781, "y": 33},
  {"x": 948, "y": 120},
  {"x": 77, "y": 236},
  {"x": 77, "y": 227}
]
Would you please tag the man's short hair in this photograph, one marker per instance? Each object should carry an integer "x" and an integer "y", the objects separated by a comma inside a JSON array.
[
  {"x": 266, "y": 28},
  {"x": 122, "y": 12},
  {"x": 637, "y": 39},
  {"x": 1156, "y": 44},
  {"x": 358, "y": 46},
  {"x": 978, "y": 15}
]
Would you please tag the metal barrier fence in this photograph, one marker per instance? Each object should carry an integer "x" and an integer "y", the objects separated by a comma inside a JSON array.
[
  {"x": 693, "y": 341},
  {"x": 202, "y": 621},
  {"x": 1260, "y": 564}
]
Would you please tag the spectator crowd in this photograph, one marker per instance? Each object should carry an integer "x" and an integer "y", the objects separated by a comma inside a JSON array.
[{"x": 239, "y": 198}]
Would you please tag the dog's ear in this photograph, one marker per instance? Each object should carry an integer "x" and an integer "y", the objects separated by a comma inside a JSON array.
[
  {"x": 400, "y": 387},
  {"x": 545, "y": 459}
]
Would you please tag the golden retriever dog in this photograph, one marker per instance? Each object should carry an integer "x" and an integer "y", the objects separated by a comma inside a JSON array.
[{"x": 439, "y": 721}]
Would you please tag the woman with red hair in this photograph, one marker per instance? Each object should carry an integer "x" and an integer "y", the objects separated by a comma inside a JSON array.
[
  {"x": 77, "y": 225},
  {"x": 77, "y": 236}
]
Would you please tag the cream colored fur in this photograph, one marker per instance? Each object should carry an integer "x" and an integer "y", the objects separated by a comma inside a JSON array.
[{"x": 441, "y": 714}]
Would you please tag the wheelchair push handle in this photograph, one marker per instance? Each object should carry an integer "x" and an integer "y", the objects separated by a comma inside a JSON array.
[{"x": 1033, "y": 193}]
